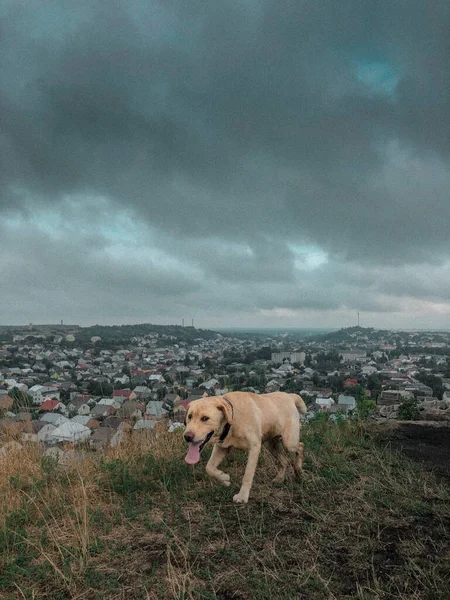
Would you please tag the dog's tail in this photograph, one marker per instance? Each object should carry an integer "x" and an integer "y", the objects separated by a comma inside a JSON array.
[{"x": 298, "y": 401}]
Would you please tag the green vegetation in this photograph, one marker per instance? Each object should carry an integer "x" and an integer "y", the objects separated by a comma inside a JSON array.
[
  {"x": 432, "y": 381},
  {"x": 409, "y": 410},
  {"x": 22, "y": 400},
  {"x": 363, "y": 522},
  {"x": 364, "y": 406}
]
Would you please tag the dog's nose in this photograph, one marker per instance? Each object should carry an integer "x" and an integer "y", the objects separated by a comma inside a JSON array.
[{"x": 188, "y": 437}]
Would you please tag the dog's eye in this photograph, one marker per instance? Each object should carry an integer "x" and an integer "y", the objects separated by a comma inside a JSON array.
[
  {"x": 189, "y": 417},
  {"x": 204, "y": 419}
]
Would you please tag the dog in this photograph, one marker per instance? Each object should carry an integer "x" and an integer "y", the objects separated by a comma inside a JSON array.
[{"x": 245, "y": 420}]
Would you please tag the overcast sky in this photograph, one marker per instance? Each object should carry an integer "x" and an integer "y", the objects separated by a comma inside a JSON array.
[{"x": 243, "y": 163}]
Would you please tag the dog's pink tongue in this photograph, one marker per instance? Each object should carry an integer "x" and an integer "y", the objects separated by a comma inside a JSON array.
[{"x": 193, "y": 455}]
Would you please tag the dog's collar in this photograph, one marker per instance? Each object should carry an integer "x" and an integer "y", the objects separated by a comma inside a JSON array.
[
  {"x": 231, "y": 406},
  {"x": 227, "y": 427}
]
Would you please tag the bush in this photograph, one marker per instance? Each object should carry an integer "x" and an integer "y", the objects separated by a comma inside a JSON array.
[{"x": 409, "y": 410}]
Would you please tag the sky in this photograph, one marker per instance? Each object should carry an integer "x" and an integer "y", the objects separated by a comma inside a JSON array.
[{"x": 275, "y": 163}]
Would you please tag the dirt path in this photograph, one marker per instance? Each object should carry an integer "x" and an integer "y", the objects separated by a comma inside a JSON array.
[{"x": 428, "y": 443}]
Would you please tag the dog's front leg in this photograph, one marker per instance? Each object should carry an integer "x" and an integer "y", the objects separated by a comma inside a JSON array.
[
  {"x": 217, "y": 456},
  {"x": 253, "y": 455}
]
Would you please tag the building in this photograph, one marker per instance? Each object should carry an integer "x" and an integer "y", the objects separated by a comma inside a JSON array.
[
  {"x": 393, "y": 396},
  {"x": 293, "y": 357}
]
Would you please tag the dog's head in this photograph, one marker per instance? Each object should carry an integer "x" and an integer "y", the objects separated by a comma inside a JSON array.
[{"x": 204, "y": 418}]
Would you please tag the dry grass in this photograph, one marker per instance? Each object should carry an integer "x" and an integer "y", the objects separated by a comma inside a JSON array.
[{"x": 137, "y": 522}]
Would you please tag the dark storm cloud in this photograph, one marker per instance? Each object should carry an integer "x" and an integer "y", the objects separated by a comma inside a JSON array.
[{"x": 235, "y": 132}]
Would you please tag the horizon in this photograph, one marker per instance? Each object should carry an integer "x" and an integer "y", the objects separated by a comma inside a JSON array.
[{"x": 231, "y": 328}]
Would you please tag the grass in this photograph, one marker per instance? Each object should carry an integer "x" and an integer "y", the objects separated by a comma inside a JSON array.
[{"x": 138, "y": 523}]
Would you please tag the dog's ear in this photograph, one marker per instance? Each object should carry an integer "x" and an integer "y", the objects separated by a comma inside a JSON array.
[
  {"x": 226, "y": 409},
  {"x": 185, "y": 418}
]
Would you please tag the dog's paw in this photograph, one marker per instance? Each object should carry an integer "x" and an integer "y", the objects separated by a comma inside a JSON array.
[
  {"x": 240, "y": 498},
  {"x": 225, "y": 479}
]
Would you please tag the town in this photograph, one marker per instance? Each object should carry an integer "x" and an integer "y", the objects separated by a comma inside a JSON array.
[{"x": 63, "y": 385}]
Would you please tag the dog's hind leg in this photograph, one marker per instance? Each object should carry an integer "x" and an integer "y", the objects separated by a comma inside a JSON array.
[
  {"x": 217, "y": 455},
  {"x": 291, "y": 441},
  {"x": 276, "y": 448},
  {"x": 298, "y": 461}
]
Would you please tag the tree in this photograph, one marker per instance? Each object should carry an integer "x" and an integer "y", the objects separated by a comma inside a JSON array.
[
  {"x": 264, "y": 353},
  {"x": 364, "y": 406},
  {"x": 409, "y": 410},
  {"x": 100, "y": 388},
  {"x": 435, "y": 383}
]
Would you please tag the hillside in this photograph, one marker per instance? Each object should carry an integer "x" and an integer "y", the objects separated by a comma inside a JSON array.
[
  {"x": 348, "y": 334},
  {"x": 111, "y": 334},
  {"x": 364, "y": 522},
  {"x": 124, "y": 333}
]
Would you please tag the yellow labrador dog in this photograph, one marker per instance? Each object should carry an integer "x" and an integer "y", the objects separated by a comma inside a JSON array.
[{"x": 244, "y": 420}]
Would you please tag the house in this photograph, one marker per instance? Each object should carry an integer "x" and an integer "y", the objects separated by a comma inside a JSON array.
[
  {"x": 347, "y": 401},
  {"x": 172, "y": 399},
  {"x": 112, "y": 422},
  {"x": 35, "y": 393},
  {"x": 350, "y": 382},
  {"x": 69, "y": 432},
  {"x": 44, "y": 433},
  {"x": 87, "y": 421},
  {"x": 102, "y": 410},
  {"x": 84, "y": 409},
  {"x": 273, "y": 386},
  {"x": 210, "y": 385},
  {"x": 114, "y": 402},
  {"x": 389, "y": 397},
  {"x": 80, "y": 405},
  {"x": 142, "y": 391},
  {"x": 51, "y": 417},
  {"x": 369, "y": 370},
  {"x": 349, "y": 356},
  {"x": 144, "y": 425},
  {"x": 324, "y": 403},
  {"x": 155, "y": 410},
  {"x": 42, "y": 392},
  {"x": 52, "y": 405},
  {"x": 131, "y": 409},
  {"x": 125, "y": 393}
]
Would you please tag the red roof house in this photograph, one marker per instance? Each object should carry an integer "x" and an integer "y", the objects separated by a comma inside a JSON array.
[{"x": 49, "y": 405}]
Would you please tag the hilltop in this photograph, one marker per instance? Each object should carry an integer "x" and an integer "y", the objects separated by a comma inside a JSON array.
[
  {"x": 348, "y": 334},
  {"x": 138, "y": 523},
  {"x": 110, "y": 334}
]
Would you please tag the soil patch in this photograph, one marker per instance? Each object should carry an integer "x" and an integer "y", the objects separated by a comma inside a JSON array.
[{"x": 428, "y": 444}]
